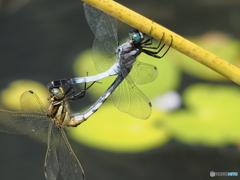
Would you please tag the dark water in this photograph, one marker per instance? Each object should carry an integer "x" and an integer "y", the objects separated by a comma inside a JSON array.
[{"x": 40, "y": 40}]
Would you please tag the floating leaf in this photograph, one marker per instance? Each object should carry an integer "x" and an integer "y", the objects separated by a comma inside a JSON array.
[
  {"x": 112, "y": 130},
  {"x": 211, "y": 117},
  {"x": 10, "y": 95}
]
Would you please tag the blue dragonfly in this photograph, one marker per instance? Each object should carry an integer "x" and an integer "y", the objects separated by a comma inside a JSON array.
[{"x": 111, "y": 59}]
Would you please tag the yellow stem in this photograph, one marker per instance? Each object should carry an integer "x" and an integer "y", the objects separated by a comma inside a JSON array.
[{"x": 179, "y": 43}]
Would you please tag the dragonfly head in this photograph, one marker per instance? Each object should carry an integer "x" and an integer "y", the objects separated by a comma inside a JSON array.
[
  {"x": 57, "y": 93},
  {"x": 136, "y": 36}
]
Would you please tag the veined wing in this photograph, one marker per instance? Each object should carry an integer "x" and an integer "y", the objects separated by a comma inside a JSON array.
[
  {"x": 51, "y": 165},
  {"x": 20, "y": 122},
  {"x": 101, "y": 24},
  {"x": 103, "y": 58},
  {"x": 61, "y": 156},
  {"x": 129, "y": 99},
  {"x": 104, "y": 28},
  {"x": 142, "y": 73},
  {"x": 69, "y": 165},
  {"x": 32, "y": 120},
  {"x": 30, "y": 102}
]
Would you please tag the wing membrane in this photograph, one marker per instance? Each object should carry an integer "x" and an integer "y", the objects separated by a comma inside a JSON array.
[
  {"x": 31, "y": 120},
  {"x": 104, "y": 28},
  {"x": 51, "y": 165},
  {"x": 129, "y": 99},
  {"x": 21, "y": 122},
  {"x": 69, "y": 164},
  {"x": 61, "y": 156},
  {"x": 143, "y": 73},
  {"x": 30, "y": 102},
  {"x": 102, "y": 57}
]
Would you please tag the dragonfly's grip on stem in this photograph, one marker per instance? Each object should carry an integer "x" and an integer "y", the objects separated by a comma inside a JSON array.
[{"x": 179, "y": 43}]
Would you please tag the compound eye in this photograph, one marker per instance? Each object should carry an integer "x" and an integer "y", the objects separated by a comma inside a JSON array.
[
  {"x": 57, "y": 93},
  {"x": 136, "y": 36}
]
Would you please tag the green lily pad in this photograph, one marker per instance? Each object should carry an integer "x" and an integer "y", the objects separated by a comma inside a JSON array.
[
  {"x": 211, "y": 117},
  {"x": 112, "y": 130},
  {"x": 10, "y": 96}
]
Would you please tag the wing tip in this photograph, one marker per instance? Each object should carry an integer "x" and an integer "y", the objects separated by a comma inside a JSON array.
[
  {"x": 150, "y": 104},
  {"x": 31, "y": 92}
]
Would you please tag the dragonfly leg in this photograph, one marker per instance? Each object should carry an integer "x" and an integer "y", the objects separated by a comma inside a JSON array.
[
  {"x": 159, "y": 47},
  {"x": 81, "y": 94}
]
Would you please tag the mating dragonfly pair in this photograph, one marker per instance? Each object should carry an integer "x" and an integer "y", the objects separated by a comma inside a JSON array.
[{"x": 110, "y": 60}]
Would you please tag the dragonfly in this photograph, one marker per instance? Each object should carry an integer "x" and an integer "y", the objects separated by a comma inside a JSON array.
[
  {"x": 111, "y": 60},
  {"x": 78, "y": 118},
  {"x": 48, "y": 125}
]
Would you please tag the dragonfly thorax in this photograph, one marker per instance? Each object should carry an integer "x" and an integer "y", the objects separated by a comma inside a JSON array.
[
  {"x": 128, "y": 51},
  {"x": 127, "y": 54},
  {"x": 59, "y": 113}
]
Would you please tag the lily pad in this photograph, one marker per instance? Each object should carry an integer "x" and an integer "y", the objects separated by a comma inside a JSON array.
[
  {"x": 11, "y": 95},
  {"x": 211, "y": 117},
  {"x": 112, "y": 130}
]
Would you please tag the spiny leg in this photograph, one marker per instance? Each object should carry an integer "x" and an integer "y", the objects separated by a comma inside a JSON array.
[
  {"x": 81, "y": 94},
  {"x": 154, "y": 53},
  {"x": 76, "y": 96},
  {"x": 146, "y": 43},
  {"x": 71, "y": 90}
]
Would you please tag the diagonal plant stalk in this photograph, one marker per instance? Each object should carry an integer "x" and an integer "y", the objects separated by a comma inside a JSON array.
[{"x": 179, "y": 43}]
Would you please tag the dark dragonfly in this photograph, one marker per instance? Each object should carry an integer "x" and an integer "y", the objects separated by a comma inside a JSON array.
[
  {"x": 120, "y": 61},
  {"x": 47, "y": 125}
]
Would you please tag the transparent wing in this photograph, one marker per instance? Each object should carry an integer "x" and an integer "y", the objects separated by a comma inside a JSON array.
[
  {"x": 129, "y": 99},
  {"x": 143, "y": 73},
  {"x": 102, "y": 59},
  {"x": 51, "y": 165},
  {"x": 23, "y": 122},
  {"x": 69, "y": 165},
  {"x": 101, "y": 24},
  {"x": 30, "y": 102},
  {"x": 104, "y": 28},
  {"x": 61, "y": 156}
]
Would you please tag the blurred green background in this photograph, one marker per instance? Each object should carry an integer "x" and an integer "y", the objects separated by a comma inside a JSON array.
[{"x": 195, "y": 123}]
